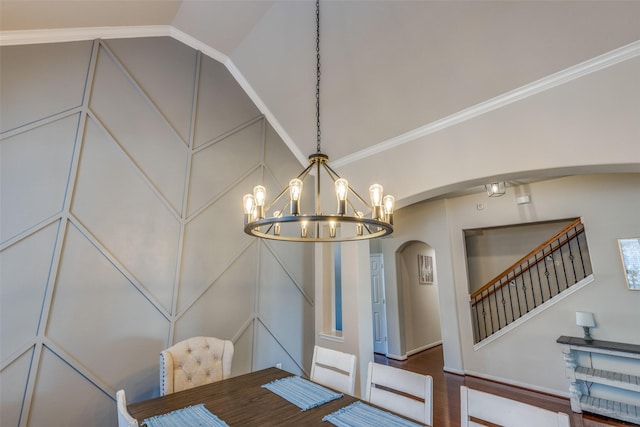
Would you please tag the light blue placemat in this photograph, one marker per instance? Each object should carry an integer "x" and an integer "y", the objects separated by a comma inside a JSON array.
[
  {"x": 191, "y": 416},
  {"x": 359, "y": 414},
  {"x": 302, "y": 393}
]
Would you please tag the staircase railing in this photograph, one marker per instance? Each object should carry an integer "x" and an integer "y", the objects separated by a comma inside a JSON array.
[{"x": 549, "y": 269}]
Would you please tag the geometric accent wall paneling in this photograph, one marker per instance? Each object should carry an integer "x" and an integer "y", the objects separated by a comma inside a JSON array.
[
  {"x": 58, "y": 387},
  {"x": 115, "y": 203},
  {"x": 235, "y": 288},
  {"x": 19, "y": 322},
  {"x": 37, "y": 84},
  {"x": 170, "y": 85},
  {"x": 122, "y": 226},
  {"x": 35, "y": 173},
  {"x": 220, "y": 165},
  {"x": 139, "y": 129},
  {"x": 204, "y": 258},
  {"x": 222, "y": 105},
  {"x": 13, "y": 379},
  {"x": 100, "y": 318}
]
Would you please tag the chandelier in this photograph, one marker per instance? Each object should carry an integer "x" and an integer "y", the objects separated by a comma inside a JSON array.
[{"x": 283, "y": 218}]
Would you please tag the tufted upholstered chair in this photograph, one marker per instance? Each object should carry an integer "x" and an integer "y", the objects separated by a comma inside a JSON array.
[
  {"x": 193, "y": 362},
  {"x": 124, "y": 418}
]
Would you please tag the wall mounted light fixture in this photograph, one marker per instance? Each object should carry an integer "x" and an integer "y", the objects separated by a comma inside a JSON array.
[{"x": 496, "y": 189}]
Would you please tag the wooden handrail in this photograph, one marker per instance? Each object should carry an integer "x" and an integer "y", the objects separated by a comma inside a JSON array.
[{"x": 513, "y": 266}]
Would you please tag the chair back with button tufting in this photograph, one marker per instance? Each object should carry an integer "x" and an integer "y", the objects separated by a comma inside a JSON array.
[{"x": 193, "y": 362}]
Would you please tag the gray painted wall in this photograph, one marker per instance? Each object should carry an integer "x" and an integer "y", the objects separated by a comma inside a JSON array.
[{"x": 123, "y": 167}]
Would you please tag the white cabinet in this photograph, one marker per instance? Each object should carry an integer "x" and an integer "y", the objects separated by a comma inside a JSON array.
[{"x": 604, "y": 377}]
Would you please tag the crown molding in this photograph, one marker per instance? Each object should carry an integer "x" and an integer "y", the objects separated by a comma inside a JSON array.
[
  {"x": 574, "y": 72},
  {"x": 60, "y": 35},
  {"x": 632, "y": 50}
]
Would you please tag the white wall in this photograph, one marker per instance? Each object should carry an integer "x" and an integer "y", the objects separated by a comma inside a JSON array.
[
  {"x": 421, "y": 307},
  {"x": 426, "y": 222},
  {"x": 528, "y": 355},
  {"x": 357, "y": 324},
  {"x": 123, "y": 168}
]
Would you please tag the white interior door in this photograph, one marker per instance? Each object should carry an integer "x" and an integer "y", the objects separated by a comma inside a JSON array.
[{"x": 378, "y": 306}]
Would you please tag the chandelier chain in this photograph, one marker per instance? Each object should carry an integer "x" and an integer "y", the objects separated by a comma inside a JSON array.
[{"x": 318, "y": 76}]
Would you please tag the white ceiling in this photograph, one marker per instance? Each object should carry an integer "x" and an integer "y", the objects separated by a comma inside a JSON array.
[{"x": 398, "y": 76}]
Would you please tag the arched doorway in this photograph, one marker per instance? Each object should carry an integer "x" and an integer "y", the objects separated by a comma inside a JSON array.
[{"x": 418, "y": 303}]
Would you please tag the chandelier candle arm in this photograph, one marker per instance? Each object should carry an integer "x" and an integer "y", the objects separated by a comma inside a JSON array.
[{"x": 296, "y": 226}]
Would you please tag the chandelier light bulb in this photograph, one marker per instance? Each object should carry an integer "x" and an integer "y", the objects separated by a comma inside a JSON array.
[
  {"x": 332, "y": 229},
  {"x": 388, "y": 203},
  {"x": 249, "y": 203},
  {"x": 342, "y": 189},
  {"x": 375, "y": 193},
  {"x": 303, "y": 229},
  {"x": 259, "y": 196},
  {"x": 276, "y": 226},
  {"x": 295, "y": 192}
]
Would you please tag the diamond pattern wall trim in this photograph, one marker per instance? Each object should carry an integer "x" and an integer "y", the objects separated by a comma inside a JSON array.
[{"x": 121, "y": 226}]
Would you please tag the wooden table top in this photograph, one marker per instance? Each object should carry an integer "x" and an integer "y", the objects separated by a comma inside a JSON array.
[{"x": 241, "y": 401}]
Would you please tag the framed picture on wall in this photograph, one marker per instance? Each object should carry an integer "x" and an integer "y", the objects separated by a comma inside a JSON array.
[
  {"x": 630, "y": 255},
  {"x": 425, "y": 269}
]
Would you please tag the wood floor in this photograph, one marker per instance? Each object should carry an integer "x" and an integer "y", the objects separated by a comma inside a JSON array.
[{"x": 446, "y": 392}]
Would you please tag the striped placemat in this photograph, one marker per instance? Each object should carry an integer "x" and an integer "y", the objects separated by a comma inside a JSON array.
[
  {"x": 359, "y": 414},
  {"x": 301, "y": 392},
  {"x": 191, "y": 416}
]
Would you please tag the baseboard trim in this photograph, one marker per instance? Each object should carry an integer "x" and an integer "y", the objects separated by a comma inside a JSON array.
[
  {"x": 423, "y": 348},
  {"x": 517, "y": 384}
]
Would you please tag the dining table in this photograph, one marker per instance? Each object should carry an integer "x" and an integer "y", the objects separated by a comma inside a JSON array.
[{"x": 242, "y": 401}]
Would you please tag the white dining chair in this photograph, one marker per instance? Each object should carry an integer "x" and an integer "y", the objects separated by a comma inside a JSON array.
[
  {"x": 506, "y": 412},
  {"x": 124, "y": 417},
  {"x": 193, "y": 362},
  {"x": 334, "y": 369},
  {"x": 403, "y": 392}
]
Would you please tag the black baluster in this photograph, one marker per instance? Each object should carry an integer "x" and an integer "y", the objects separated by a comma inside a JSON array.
[
  {"x": 524, "y": 289},
  {"x": 495, "y": 301},
  {"x": 584, "y": 270},
  {"x": 504, "y": 307},
  {"x": 533, "y": 292},
  {"x": 564, "y": 269},
  {"x": 484, "y": 317},
  {"x": 475, "y": 306},
  {"x": 571, "y": 258},
  {"x": 490, "y": 312},
  {"x": 555, "y": 271},
  {"x": 513, "y": 315}
]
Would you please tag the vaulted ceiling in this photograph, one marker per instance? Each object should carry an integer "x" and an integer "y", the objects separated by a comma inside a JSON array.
[{"x": 426, "y": 96}]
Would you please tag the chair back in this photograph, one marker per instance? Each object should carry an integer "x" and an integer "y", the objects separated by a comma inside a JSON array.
[
  {"x": 505, "y": 412},
  {"x": 334, "y": 369},
  {"x": 124, "y": 417},
  {"x": 404, "y": 392},
  {"x": 193, "y": 362}
]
